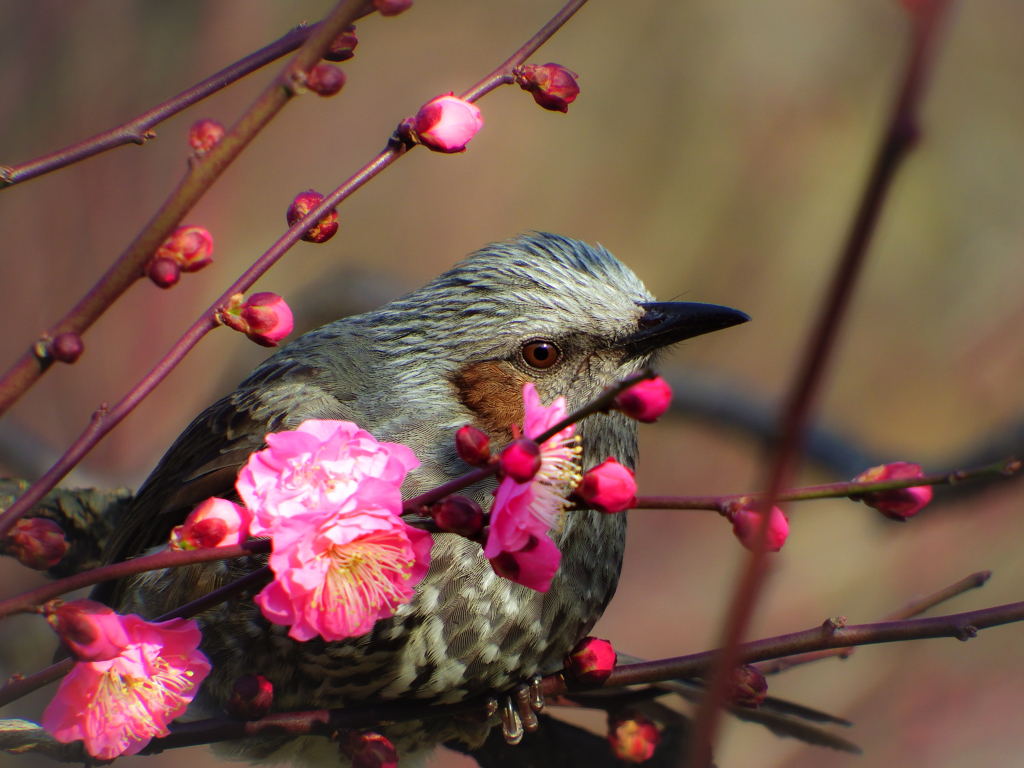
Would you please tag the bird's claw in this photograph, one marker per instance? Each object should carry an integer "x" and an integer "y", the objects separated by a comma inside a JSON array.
[{"x": 519, "y": 712}]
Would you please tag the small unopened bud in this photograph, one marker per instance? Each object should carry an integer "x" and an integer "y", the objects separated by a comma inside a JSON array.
[
  {"x": 473, "y": 446},
  {"x": 366, "y": 749},
  {"x": 325, "y": 80},
  {"x": 343, "y": 47},
  {"x": 901, "y": 503},
  {"x": 552, "y": 85},
  {"x": 447, "y": 123},
  {"x": 746, "y": 525},
  {"x": 392, "y": 7},
  {"x": 608, "y": 487},
  {"x": 748, "y": 688},
  {"x": 592, "y": 660},
  {"x": 214, "y": 523},
  {"x": 646, "y": 400},
  {"x": 90, "y": 630},
  {"x": 303, "y": 203},
  {"x": 204, "y": 134},
  {"x": 67, "y": 347},
  {"x": 251, "y": 697},
  {"x": 164, "y": 272},
  {"x": 633, "y": 737},
  {"x": 37, "y": 543},
  {"x": 521, "y": 460},
  {"x": 458, "y": 514},
  {"x": 189, "y": 247},
  {"x": 264, "y": 317}
]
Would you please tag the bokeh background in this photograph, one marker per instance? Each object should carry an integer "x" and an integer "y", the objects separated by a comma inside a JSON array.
[{"x": 718, "y": 147}]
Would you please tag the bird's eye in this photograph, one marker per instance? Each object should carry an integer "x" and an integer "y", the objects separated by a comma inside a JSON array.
[{"x": 540, "y": 354}]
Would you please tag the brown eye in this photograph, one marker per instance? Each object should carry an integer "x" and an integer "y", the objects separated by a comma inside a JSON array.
[{"x": 540, "y": 354}]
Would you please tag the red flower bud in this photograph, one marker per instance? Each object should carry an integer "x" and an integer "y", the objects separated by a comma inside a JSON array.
[
  {"x": 325, "y": 80},
  {"x": 633, "y": 737},
  {"x": 552, "y": 85},
  {"x": 447, "y": 123},
  {"x": 458, "y": 514},
  {"x": 521, "y": 460},
  {"x": 214, "y": 523},
  {"x": 646, "y": 400},
  {"x": 473, "y": 446},
  {"x": 264, "y": 317},
  {"x": 592, "y": 660},
  {"x": 204, "y": 134},
  {"x": 90, "y": 630},
  {"x": 190, "y": 247},
  {"x": 901, "y": 503},
  {"x": 746, "y": 525},
  {"x": 303, "y": 203},
  {"x": 392, "y": 7},
  {"x": 251, "y": 697},
  {"x": 163, "y": 271},
  {"x": 343, "y": 46},
  {"x": 608, "y": 487},
  {"x": 37, "y": 543},
  {"x": 748, "y": 688},
  {"x": 367, "y": 749},
  {"x": 67, "y": 347}
]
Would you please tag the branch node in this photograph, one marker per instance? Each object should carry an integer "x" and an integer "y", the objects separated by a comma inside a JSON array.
[
  {"x": 965, "y": 632},
  {"x": 1011, "y": 467},
  {"x": 834, "y": 623},
  {"x": 6, "y": 176}
]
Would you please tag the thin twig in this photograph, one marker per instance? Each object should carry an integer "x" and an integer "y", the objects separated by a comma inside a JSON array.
[
  {"x": 139, "y": 129},
  {"x": 900, "y": 137}
]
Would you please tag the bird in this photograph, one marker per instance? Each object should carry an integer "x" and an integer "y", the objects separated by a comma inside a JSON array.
[{"x": 540, "y": 308}]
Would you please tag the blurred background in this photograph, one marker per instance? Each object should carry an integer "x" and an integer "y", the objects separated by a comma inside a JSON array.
[{"x": 717, "y": 148}]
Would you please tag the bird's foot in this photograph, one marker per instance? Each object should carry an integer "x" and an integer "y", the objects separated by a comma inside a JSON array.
[{"x": 519, "y": 711}]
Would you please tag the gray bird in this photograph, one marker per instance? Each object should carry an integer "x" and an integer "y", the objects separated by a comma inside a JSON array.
[{"x": 557, "y": 312}]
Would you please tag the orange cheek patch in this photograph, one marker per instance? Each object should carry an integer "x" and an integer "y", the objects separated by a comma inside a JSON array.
[{"x": 492, "y": 390}]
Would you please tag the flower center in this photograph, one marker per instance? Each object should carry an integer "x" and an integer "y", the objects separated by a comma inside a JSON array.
[
  {"x": 367, "y": 571},
  {"x": 133, "y": 700}
]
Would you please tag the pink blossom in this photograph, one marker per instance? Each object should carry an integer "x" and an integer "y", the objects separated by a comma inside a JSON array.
[
  {"x": 447, "y": 123},
  {"x": 746, "y": 524},
  {"x": 521, "y": 460},
  {"x": 646, "y": 400},
  {"x": 592, "y": 660},
  {"x": 264, "y": 317},
  {"x": 633, "y": 736},
  {"x": 214, "y": 523},
  {"x": 317, "y": 467},
  {"x": 608, "y": 487},
  {"x": 37, "y": 543},
  {"x": 117, "y": 706},
  {"x": 901, "y": 503},
  {"x": 337, "y": 573},
  {"x": 533, "y": 564},
  {"x": 90, "y": 630},
  {"x": 204, "y": 135}
]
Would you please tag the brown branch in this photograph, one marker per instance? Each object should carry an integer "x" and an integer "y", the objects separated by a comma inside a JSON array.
[
  {"x": 899, "y": 138},
  {"x": 139, "y": 129}
]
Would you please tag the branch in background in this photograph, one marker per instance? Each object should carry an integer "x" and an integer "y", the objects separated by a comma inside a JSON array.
[
  {"x": 139, "y": 129},
  {"x": 899, "y": 138},
  {"x": 202, "y": 173}
]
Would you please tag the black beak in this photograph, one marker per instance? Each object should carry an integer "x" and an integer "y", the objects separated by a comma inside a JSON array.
[{"x": 667, "y": 322}]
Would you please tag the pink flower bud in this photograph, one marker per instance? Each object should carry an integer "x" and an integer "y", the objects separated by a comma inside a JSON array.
[
  {"x": 646, "y": 400},
  {"x": 37, "y": 543},
  {"x": 67, "y": 347},
  {"x": 592, "y": 660},
  {"x": 264, "y": 317},
  {"x": 367, "y": 749},
  {"x": 90, "y": 630},
  {"x": 447, "y": 123},
  {"x": 204, "y": 134},
  {"x": 473, "y": 446},
  {"x": 901, "y": 503},
  {"x": 164, "y": 272},
  {"x": 608, "y": 487},
  {"x": 633, "y": 737},
  {"x": 190, "y": 247},
  {"x": 521, "y": 460},
  {"x": 746, "y": 524},
  {"x": 552, "y": 85},
  {"x": 303, "y": 203},
  {"x": 343, "y": 46},
  {"x": 392, "y": 7},
  {"x": 458, "y": 514},
  {"x": 325, "y": 80},
  {"x": 748, "y": 687},
  {"x": 251, "y": 697},
  {"x": 214, "y": 523}
]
